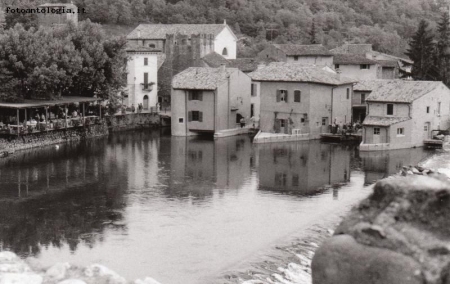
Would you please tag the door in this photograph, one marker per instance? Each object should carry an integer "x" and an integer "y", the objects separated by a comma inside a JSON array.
[
  {"x": 283, "y": 126},
  {"x": 426, "y": 131},
  {"x": 325, "y": 125},
  {"x": 145, "y": 102},
  {"x": 252, "y": 110}
]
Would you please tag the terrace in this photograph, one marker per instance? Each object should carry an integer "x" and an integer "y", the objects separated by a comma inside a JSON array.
[{"x": 35, "y": 116}]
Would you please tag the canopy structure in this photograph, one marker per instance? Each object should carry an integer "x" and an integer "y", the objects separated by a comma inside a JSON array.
[
  {"x": 44, "y": 103},
  {"x": 19, "y": 118}
]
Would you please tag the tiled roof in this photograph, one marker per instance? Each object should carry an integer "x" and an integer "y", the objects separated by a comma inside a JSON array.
[
  {"x": 353, "y": 49},
  {"x": 214, "y": 59},
  {"x": 293, "y": 72},
  {"x": 388, "y": 63},
  {"x": 402, "y": 91},
  {"x": 405, "y": 60},
  {"x": 348, "y": 59},
  {"x": 368, "y": 85},
  {"x": 201, "y": 78},
  {"x": 244, "y": 64},
  {"x": 141, "y": 49},
  {"x": 298, "y": 49},
  {"x": 159, "y": 31},
  {"x": 383, "y": 121}
]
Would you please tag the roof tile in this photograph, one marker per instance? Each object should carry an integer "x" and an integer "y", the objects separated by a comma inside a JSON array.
[
  {"x": 201, "y": 78},
  {"x": 383, "y": 121},
  {"x": 298, "y": 49},
  {"x": 159, "y": 31}
]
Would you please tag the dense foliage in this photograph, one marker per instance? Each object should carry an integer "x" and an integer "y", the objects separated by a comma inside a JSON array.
[
  {"x": 387, "y": 24},
  {"x": 71, "y": 60}
]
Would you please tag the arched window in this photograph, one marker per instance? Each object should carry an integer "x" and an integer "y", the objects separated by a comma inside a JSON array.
[
  {"x": 224, "y": 51},
  {"x": 151, "y": 45}
]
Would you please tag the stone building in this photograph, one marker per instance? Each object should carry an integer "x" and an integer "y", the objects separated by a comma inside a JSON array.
[
  {"x": 209, "y": 100},
  {"x": 402, "y": 114},
  {"x": 301, "y": 101},
  {"x": 314, "y": 54},
  {"x": 184, "y": 45},
  {"x": 57, "y": 14}
]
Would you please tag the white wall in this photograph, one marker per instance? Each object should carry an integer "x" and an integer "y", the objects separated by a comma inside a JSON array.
[
  {"x": 135, "y": 76},
  {"x": 225, "y": 39}
]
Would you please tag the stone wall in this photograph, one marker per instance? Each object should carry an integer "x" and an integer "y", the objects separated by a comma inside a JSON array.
[
  {"x": 15, "y": 143},
  {"x": 399, "y": 234},
  {"x": 133, "y": 121}
]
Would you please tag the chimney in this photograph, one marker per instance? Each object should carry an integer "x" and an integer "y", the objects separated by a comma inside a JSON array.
[
  {"x": 224, "y": 22},
  {"x": 139, "y": 34},
  {"x": 338, "y": 73},
  {"x": 222, "y": 67}
]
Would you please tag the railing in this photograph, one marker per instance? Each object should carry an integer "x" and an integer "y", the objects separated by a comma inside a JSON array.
[{"x": 57, "y": 124}]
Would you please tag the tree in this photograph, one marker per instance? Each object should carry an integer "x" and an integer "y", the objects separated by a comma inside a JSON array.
[
  {"x": 312, "y": 33},
  {"x": 443, "y": 49},
  {"x": 2, "y": 19},
  {"x": 421, "y": 52}
]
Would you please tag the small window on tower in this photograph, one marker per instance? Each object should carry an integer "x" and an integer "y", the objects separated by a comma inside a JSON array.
[{"x": 224, "y": 51}]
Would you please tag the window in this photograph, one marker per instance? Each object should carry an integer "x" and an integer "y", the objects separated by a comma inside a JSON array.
[
  {"x": 376, "y": 131},
  {"x": 390, "y": 109},
  {"x": 195, "y": 115},
  {"x": 152, "y": 45},
  {"x": 282, "y": 96},
  {"x": 324, "y": 121},
  {"x": 280, "y": 179},
  {"x": 336, "y": 66},
  {"x": 195, "y": 95},
  {"x": 428, "y": 109},
  {"x": 439, "y": 109},
  {"x": 425, "y": 128},
  {"x": 253, "y": 90},
  {"x": 282, "y": 122},
  {"x": 145, "y": 61},
  {"x": 224, "y": 51},
  {"x": 363, "y": 98},
  {"x": 295, "y": 180},
  {"x": 348, "y": 93},
  {"x": 180, "y": 120},
  {"x": 296, "y": 58},
  {"x": 400, "y": 131},
  {"x": 145, "y": 80},
  {"x": 364, "y": 66},
  {"x": 297, "y": 96}
]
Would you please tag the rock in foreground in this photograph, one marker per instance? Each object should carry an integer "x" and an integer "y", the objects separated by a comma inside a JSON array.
[{"x": 400, "y": 234}]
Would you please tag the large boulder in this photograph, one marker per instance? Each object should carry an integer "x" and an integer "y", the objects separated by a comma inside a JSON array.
[{"x": 399, "y": 234}]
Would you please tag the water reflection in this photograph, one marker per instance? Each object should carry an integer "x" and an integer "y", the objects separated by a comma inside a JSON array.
[
  {"x": 193, "y": 203},
  {"x": 381, "y": 164},
  {"x": 303, "y": 167}
]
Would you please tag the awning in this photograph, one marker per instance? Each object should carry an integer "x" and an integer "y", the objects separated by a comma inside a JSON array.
[{"x": 43, "y": 103}]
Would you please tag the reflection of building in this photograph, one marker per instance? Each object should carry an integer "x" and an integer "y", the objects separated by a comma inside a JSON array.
[
  {"x": 302, "y": 167},
  {"x": 209, "y": 100},
  {"x": 402, "y": 114},
  {"x": 200, "y": 165},
  {"x": 57, "y": 14},
  {"x": 313, "y": 54},
  {"x": 302, "y": 101},
  {"x": 378, "y": 165}
]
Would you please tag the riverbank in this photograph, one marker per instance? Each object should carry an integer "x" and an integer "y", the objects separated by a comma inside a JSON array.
[{"x": 116, "y": 123}]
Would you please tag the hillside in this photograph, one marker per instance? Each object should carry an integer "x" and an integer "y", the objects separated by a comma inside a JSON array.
[{"x": 387, "y": 24}]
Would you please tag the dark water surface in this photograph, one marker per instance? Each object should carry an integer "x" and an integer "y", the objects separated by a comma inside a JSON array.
[{"x": 180, "y": 210}]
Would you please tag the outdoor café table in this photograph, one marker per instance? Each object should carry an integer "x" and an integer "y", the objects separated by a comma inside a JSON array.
[{"x": 15, "y": 128}]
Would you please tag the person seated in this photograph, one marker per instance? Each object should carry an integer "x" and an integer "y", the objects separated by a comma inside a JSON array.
[
  {"x": 43, "y": 118},
  {"x": 74, "y": 113}
]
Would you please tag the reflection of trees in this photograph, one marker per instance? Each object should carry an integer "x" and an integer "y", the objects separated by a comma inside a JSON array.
[{"x": 68, "y": 196}]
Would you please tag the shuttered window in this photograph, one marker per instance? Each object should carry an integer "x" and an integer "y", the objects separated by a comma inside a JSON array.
[
  {"x": 146, "y": 80},
  {"x": 253, "y": 91},
  {"x": 297, "y": 96},
  {"x": 195, "y": 115},
  {"x": 145, "y": 61},
  {"x": 282, "y": 96},
  {"x": 195, "y": 95}
]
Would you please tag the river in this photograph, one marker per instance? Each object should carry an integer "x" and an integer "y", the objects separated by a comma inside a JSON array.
[{"x": 181, "y": 210}]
